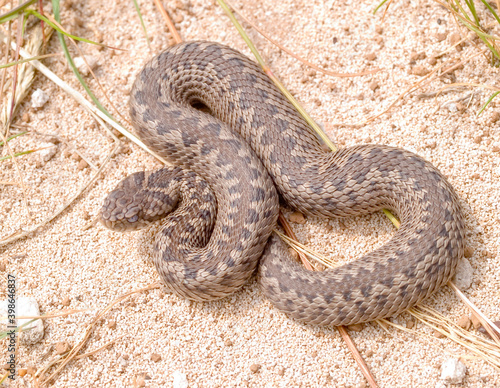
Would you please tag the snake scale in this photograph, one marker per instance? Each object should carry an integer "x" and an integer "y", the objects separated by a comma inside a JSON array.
[{"x": 238, "y": 146}]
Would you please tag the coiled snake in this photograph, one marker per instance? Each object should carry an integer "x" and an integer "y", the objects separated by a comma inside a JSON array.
[{"x": 236, "y": 143}]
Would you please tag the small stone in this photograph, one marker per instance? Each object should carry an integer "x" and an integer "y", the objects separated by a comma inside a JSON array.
[
  {"x": 453, "y": 371},
  {"x": 476, "y": 323},
  {"x": 66, "y": 301},
  {"x": 178, "y": 18},
  {"x": 440, "y": 36},
  {"x": 281, "y": 371},
  {"x": 82, "y": 165},
  {"x": 123, "y": 361},
  {"x": 155, "y": 357},
  {"x": 495, "y": 116},
  {"x": 478, "y": 139},
  {"x": 3, "y": 266},
  {"x": 254, "y": 368},
  {"x": 361, "y": 384},
  {"x": 31, "y": 370},
  {"x": 75, "y": 156},
  {"x": 25, "y": 306},
  {"x": 82, "y": 66},
  {"x": 454, "y": 38},
  {"x": 62, "y": 347},
  {"x": 39, "y": 98},
  {"x": 228, "y": 342},
  {"x": 371, "y": 56},
  {"x": 495, "y": 147},
  {"x": 26, "y": 117},
  {"x": 468, "y": 252},
  {"x": 419, "y": 71},
  {"x": 464, "y": 322},
  {"x": 356, "y": 328},
  {"x": 432, "y": 60},
  {"x": 432, "y": 145},
  {"x": 417, "y": 56},
  {"x": 112, "y": 325},
  {"x": 297, "y": 218},
  {"x": 463, "y": 275},
  {"x": 369, "y": 353},
  {"x": 379, "y": 29},
  {"x": 180, "y": 380},
  {"x": 410, "y": 324},
  {"x": 139, "y": 381},
  {"x": 373, "y": 85},
  {"x": 22, "y": 372}
]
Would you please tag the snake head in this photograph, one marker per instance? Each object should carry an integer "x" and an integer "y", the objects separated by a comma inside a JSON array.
[{"x": 135, "y": 203}]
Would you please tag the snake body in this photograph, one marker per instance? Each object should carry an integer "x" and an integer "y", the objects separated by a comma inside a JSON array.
[{"x": 232, "y": 159}]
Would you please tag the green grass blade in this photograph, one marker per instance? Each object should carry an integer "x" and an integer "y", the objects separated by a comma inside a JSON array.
[
  {"x": 379, "y": 6},
  {"x": 56, "y": 27},
  {"x": 12, "y": 14},
  {"x": 57, "y": 16},
  {"x": 491, "y": 10},
  {"x": 487, "y": 103},
  {"x": 17, "y": 154},
  {"x": 142, "y": 22},
  {"x": 25, "y": 60},
  {"x": 13, "y": 137},
  {"x": 472, "y": 8}
]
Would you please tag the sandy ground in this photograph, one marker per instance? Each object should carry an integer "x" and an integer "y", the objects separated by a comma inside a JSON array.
[{"x": 216, "y": 344}]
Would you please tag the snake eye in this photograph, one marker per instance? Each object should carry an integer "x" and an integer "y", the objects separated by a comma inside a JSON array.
[{"x": 133, "y": 219}]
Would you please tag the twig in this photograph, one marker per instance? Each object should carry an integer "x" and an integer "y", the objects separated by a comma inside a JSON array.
[
  {"x": 168, "y": 21},
  {"x": 74, "y": 351}
]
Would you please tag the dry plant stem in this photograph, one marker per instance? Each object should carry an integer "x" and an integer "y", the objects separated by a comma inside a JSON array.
[
  {"x": 352, "y": 347},
  {"x": 168, "y": 21},
  {"x": 292, "y": 54},
  {"x": 289, "y": 232},
  {"x": 74, "y": 351},
  {"x": 80, "y": 99},
  {"x": 488, "y": 325},
  {"x": 418, "y": 85}
]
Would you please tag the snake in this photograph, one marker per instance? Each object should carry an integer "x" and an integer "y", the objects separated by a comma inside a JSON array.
[{"x": 236, "y": 148}]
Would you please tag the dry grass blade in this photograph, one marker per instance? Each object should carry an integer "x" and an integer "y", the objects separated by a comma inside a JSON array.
[
  {"x": 357, "y": 356},
  {"x": 168, "y": 21},
  {"x": 26, "y": 75},
  {"x": 290, "y": 236},
  {"x": 483, "y": 348},
  {"x": 417, "y": 85},
  {"x": 488, "y": 325},
  {"x": 73, "y": 353}
]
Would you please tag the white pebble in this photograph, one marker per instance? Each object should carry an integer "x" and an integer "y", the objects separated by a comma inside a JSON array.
[
  {"x": 39, "y": 98},
  {"x": 24, "y": 306},
  {"x": 453, "y": 371},
  {"x": 47, "y": 152},
  {"x": 180, "y": 379},
  {"x": 464, "y": 274},
  {"x": 82, "y": 66}
]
